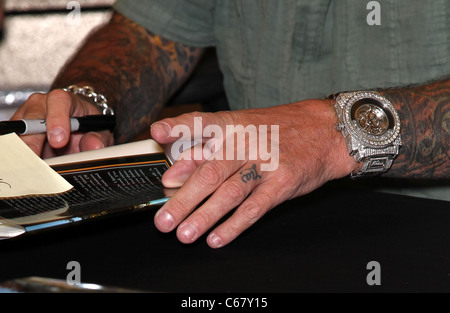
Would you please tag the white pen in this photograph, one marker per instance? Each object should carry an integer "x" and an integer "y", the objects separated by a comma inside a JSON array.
[{"x": 77, "y": 124}]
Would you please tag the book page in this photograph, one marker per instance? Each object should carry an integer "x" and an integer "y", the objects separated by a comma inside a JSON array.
[
  {"x": 133, "y": 148},
  {"x": 23, "y": 173}
]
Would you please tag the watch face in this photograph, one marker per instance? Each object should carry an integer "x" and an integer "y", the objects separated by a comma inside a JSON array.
[{"x": 371, "y": 118}]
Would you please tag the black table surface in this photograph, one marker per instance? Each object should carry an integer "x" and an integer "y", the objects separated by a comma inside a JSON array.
[{"x": 321, "y": 242}]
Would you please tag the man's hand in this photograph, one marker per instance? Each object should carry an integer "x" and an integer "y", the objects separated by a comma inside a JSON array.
[
  {"x": 56, "y": 108},
  {"x": 311, "y": 152}
]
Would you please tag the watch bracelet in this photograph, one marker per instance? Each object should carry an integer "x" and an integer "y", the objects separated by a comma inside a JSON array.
[{"x": 373, "y": 166}]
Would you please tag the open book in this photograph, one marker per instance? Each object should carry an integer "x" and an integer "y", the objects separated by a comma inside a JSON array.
[{"x": 115, "y": 180}]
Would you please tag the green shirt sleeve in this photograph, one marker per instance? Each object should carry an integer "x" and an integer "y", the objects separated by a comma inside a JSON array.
[{"x": 186, "y": 21}]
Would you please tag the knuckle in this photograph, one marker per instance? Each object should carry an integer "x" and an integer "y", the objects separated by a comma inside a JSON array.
[
  {"x": 198, "y": 114},
  {"x": 256, "y": 207},
  {"x": 287, "y": 182},
  {"x": 183, "y": 118},
  {"x": 287, "y": 179},
  {"x": 210, "y": 174},
  {"x": 252, "y": 212},
  {"x": 228, "y": 117},
  {"x": 177, "y": 207},
  {"x": 36, "y": 97},
  {"x": 224, "y": 118},
  {"x": 60, "y": 97},
  {"x": 205, "y": 219},
  {"x": 231, "y": 230},
  {"x": 59, "y": 93},
  {"x": 234, "y": 191}
]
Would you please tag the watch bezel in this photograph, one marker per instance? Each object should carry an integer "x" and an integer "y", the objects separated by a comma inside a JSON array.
[{"x": 347, "y": 101}]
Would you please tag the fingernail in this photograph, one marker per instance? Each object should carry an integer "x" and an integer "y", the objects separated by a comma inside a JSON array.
[
  {"x": 164, "y": 220},
  {"x": 57, "y": 135},
  {"x": 215, "y": 241},
  {"x": 188, "y": 231},
  {"x": 162, "y": 128}
]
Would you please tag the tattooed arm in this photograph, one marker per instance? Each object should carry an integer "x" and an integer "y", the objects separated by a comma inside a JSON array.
[
  {"x": 136, "y": 70},
  {"x": 425, "y": 115}
]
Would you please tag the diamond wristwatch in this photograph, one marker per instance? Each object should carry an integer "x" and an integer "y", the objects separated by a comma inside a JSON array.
[{"x": 371, "y": 128}]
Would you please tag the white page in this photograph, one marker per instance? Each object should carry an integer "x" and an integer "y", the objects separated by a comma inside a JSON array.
[
  {"x": 23, "y": 173},
  {"x": 133, "y": 148}
]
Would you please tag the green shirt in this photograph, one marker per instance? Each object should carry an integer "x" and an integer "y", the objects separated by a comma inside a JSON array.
[
  {"x": 281, "y": 51},
  {"x": 275, "y": 52}
]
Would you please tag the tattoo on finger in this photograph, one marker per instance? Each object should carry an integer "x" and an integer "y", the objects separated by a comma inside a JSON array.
[{"x": 249, "y": 174}]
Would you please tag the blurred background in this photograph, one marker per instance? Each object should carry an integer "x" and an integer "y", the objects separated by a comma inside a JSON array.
[{"x": 37, "y": 37}]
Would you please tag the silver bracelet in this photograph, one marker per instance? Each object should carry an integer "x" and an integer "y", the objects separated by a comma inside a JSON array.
[{"x": 98, "y": 99}]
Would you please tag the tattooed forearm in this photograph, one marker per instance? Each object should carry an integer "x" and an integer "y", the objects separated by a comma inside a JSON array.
[
  {"x": 425, "y": 115},
  {"x": 136, "y": 70}
]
